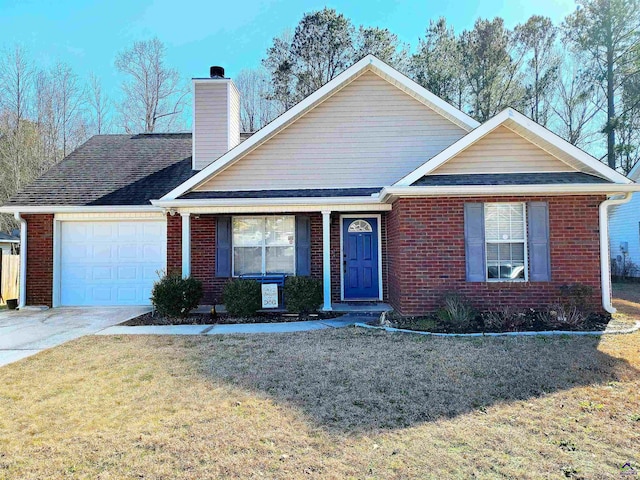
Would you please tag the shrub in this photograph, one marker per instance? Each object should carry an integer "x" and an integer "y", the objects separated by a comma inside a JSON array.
[
  {"x": 303, "y": 294},
  {"x": 506, "y": 319},
  {"x": 174, "y": 296},
  {"x": 562, "y": 317},
  {"x": 456, "y": 312},
  {"x": 242, "y": 297}
]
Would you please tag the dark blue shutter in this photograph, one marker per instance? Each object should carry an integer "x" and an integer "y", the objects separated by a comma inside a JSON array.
[
  {"x": 474, "y": 242},
  {"x": 538, "y": 233},
  {"x": 303, "y": 245},
  {"x": 223, "y": 247}
]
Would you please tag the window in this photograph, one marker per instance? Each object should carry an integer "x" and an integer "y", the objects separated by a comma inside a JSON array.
[
  {"x": 505, "y": 236},
  {"x": 263, "y": 245},
  {"x": 360, "y": 226}
]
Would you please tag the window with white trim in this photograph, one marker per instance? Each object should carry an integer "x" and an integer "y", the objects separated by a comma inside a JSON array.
[
  {"x": 506, "y": 241},
  {"x": 263, "y": 245}
]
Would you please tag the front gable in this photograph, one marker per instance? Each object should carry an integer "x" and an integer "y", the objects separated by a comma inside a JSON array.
[
  {"x": 367, "y": 134},
  {"x": 502, "y": 151}
]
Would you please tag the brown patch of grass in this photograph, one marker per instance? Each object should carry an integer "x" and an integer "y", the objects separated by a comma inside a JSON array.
[
  {"x": 627, "y": 298},
  {"x": 328, "y": 404}
]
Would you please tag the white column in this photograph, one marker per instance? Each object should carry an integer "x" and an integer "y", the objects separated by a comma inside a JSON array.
[
  {"x": 326, "y": 259},
  {"x": 186, "y": 244}
]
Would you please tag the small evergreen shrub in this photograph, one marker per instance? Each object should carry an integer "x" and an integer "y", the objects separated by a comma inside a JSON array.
[
  {"x": 174, "y": 296},
  {"x": 242, "y": 298},
  {"x": 456, "y": 312},
  {"x": 303, "y": 294}
]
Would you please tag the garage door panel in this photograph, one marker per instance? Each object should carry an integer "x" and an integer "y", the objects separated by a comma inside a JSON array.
[{"x": 110, "y": 263}]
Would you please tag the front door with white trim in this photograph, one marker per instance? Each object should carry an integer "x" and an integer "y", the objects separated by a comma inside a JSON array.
[{"x": 360, "y": 258}]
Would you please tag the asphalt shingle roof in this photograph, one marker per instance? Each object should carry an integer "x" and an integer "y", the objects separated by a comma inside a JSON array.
[
  {"x": 508, "y": 179},
  {"x": 114, "y": 170},
  {"x": 316, "y": 192}
]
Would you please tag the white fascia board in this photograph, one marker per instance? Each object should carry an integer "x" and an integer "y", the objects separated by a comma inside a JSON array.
[
  {"x": 489, "y": 190},
  {"x": 524, "y": 122},
  {"x": 78, "y": 209},
  {"x": 368, "y": 62}
]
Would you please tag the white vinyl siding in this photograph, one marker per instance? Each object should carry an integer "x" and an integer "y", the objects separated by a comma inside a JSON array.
[
  {"x": 234, "y": 116},
  {"x": 216, "y": 120},
  {"x": 624, "y": 226},
  {"x": 503, "y": 151},
  {"x": 368, "y": 134},
  {"x": 506, "y": 241}
]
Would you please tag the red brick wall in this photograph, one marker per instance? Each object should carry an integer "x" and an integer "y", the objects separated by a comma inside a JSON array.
[
  {"x": 39, "y": 259},
  {"x": 426, "y": 256},
  {"x": 174, "y": 243},
  {"x": 203, "y": 231}
]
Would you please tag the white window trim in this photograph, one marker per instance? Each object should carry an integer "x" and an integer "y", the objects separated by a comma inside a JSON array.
[
  {"x": 526, "y": 245},
  {"x": 263, "y": 245}
]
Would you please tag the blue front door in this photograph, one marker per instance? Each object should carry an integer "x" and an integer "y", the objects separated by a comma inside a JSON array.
[{"x": 360, "y": 258}]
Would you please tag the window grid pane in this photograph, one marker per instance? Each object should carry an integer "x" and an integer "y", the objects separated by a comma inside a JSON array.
[
  {"x": 505, "y": 233},
  {"x": 263, "y": 245}
]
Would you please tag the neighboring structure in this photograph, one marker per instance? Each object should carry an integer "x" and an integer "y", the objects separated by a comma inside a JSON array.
[
  {"x": 624, "y": 228},
  {"x": 9, "y": 244},
  {"x": 372, "y": 184}
]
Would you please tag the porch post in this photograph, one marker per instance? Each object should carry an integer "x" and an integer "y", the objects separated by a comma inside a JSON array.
[
  {"x": 186, "y": 244},
  {"x": 326, "y": 259}
]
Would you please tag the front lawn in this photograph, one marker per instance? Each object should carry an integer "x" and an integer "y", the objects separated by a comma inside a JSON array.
[{"x": 341, "y": 403}]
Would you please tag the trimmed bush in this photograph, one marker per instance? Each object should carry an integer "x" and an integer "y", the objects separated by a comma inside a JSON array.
[
  {"x": 303, "y": 294},
  {"x": 174, "y": 296},
  {"x": 242, "y": 298}
]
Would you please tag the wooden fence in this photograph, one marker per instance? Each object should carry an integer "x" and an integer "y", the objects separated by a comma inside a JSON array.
[{"x": 9, "y": 277}]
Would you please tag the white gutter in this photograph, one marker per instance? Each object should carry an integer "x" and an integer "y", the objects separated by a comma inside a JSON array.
[
  {"x": 487, "y": 190},
  {"x": 78, "y": 209},
  {"x": 23, "y": 261},
  {"x": 605, "y": 261}
]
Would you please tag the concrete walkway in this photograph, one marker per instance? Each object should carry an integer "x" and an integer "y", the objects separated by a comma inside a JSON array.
[
  {"x": 27, "y": 332},
  {"x": 284, "y": 327}
]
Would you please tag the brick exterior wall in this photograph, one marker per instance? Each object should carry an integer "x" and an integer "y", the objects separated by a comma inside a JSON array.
[
  {"x": 39, "y": 259},
  {"x": 426, "y": 254},
  {"x": 174, "y": 243},
  {"x": 203, "y": 243}
]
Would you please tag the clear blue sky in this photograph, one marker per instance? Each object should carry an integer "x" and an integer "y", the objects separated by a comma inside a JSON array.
[{"x": 235, "y": 34}]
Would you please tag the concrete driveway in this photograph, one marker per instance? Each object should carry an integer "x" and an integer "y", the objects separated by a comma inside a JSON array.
[{"x": 27, "y": 332}]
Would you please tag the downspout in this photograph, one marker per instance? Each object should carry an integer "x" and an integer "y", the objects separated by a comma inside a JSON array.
[
  {"x": 605, "y": 261},
  {"x": 23, "y": 260}
]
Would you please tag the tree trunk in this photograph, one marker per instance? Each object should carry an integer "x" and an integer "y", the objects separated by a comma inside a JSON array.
[{"x": 611, "y": 106}]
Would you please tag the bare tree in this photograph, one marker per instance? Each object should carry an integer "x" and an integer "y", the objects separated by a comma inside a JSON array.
[
  {"x": 68, "y": 99},
  {"x": 577, "y": 104},
  {"x": 99, "y": 106},
  {"x": 256, "y": 110},
  {"x": 153, "y": 93}
]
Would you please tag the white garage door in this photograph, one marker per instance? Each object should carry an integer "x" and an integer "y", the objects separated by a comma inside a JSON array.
[{"x": 110, "y": 263}]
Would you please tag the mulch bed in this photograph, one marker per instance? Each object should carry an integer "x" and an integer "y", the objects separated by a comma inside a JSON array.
[
  {"x": 594, "y": 322},
  {"x": 224, "y": 318}
]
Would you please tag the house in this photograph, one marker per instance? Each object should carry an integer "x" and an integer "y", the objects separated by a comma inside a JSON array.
[
  {"x": 8, "y": 243},
  {"x": 624, "y": 227},
  {"x": 372, "y": 184}
]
